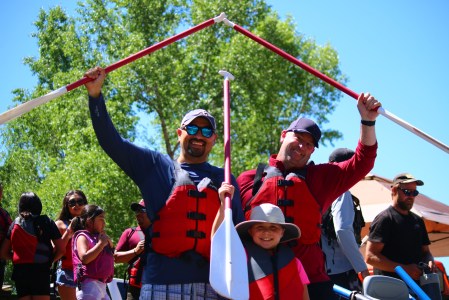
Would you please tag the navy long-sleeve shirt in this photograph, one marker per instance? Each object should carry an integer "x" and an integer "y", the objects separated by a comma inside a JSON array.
[{"x": 154, "y": 174}]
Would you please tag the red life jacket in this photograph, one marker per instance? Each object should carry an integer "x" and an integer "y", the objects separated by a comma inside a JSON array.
[
  {"x": 134, "y": 269},
  {"x": 101, "y": 268},
  {"x": 185, "y": 222},
  {"x": 271, "y": 275},
  {"x": 66, "y": 260},
  {"x": 27, "y": 249},
  {"x": 292, "y": 195}
]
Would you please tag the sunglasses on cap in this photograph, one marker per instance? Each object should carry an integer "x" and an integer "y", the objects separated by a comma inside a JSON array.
[
  {"x": 79, "y": 202},
  {"x": 409, "y": 193},
  {"x": 207, "y": 132}
]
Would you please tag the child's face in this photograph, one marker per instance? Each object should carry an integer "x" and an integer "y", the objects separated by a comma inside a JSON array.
[
  {"x": 266, "y": 235},
  {"x": 98, "y": 223}
]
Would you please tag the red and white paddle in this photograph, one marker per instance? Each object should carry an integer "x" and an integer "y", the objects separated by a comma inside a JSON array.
[
  {"x": 228, "y": 268},
  {"x": 27, "y": 106},
  {"x": 335, "y": 84}
]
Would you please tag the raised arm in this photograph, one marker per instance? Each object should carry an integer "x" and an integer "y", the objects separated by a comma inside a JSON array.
[{"x": 367, "y": 106}]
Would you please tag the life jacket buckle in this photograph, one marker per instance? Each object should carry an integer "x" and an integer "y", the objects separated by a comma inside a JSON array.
[
  {"x": 285, "y": 202},
  {"x": 196, "y": 234},
  {"x": 283, "y": 182},
  {"x": 196, "y": 194},
  {"x": 193, "y": 215}
]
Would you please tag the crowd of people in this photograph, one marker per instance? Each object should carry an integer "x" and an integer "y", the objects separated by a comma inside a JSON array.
[{"x": 276, "y": 207}]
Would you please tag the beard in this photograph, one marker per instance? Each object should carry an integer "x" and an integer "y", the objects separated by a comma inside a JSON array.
[
  {"x": 405, "y": 205},
  {"x": 194, "y": 150}
]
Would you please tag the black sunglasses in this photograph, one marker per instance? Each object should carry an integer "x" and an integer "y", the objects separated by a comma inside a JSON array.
[
  {"x": 409, "y": 193},
  {"x": 207, "y": 132},
  {"x": 74, "y": 202}
]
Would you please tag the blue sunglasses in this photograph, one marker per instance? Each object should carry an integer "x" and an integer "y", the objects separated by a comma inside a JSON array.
[
  {"x": 207, "y": 132},
  {"x": 409, "y": 193}
]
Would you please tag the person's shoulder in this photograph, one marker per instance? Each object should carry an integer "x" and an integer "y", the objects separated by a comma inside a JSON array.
[
  {"x": 3, "y": 210},
  {"x": 60, "y": 223},
  {"x": 128, "y": 230},
  {"x": 416, "y": 216},
  {"x": 247, "y": 174},
  {"x": 213, "y": 169},
  {"x": 385, "y": 216},
  {"x": 321, "y": 168}
]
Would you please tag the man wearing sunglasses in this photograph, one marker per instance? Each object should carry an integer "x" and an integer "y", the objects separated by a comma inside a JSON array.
[
  {"x": 177, "y": 265},
  {"x": 398, "y": 237}
]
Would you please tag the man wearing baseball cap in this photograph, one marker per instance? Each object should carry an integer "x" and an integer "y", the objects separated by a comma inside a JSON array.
[
  {"x": 304, "y": 190},
  {"x": 398, "y": 237},
  {"x": 178, "y": 263},
  {"x": 343, "y": 259},
  {"x": 130, "y": 249}
]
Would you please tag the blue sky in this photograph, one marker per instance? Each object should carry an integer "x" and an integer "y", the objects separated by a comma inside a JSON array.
[{"x": 395, "y": 49}]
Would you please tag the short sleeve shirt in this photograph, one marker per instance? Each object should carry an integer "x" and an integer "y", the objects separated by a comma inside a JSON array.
[{"x": 402, "y": 235}]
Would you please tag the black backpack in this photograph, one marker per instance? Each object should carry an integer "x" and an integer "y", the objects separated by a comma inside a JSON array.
[{"x": 359, "y": 222}]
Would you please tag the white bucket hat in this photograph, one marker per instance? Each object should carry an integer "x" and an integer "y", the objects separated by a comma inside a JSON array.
[{"x": 269, "y": 213}]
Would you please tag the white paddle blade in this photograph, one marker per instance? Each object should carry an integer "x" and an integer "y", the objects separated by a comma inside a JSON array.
[
  {"x": 27, "y": 106},
  {"x": 228, "y": 266}
]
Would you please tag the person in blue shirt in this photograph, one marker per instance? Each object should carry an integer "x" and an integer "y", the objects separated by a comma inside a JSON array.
[
  {"x": 181, "y": 198},
  {"x": 343, "y": 258}
]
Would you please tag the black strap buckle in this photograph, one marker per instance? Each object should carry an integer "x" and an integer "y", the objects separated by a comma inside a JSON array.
[
  {"x": 196, "y": 234},
  {"x": 196, "y": 194},
  {"x": 285, "y": 202},
  {"x": 193, "y": 215},
  {"x": 282, "y": 182}
]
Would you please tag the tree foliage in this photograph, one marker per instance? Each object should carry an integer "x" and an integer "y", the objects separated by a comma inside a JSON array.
[{"x": 53, "y": 149}]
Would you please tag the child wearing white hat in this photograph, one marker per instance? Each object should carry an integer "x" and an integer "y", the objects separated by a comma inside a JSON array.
[{"x": 273, "y": 270}]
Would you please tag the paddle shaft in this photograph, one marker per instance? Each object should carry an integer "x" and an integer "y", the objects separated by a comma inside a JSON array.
[
  {"x": 29, "y": 105},
  {"x": 228, "y": 273},
  {"x": 146, "y": 51},
  {"x": 335, "y": 84},
  {"x": 227, "y": 131}
]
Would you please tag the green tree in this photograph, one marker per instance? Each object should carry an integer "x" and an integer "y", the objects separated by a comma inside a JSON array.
[{"x": 53, "y": 148}]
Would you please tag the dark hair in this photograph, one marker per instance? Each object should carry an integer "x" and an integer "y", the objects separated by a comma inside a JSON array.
[
  {"x": 65, "y": 214},
  {"x": 29, "y": 204},
  {"x": 89, "y": 212}
]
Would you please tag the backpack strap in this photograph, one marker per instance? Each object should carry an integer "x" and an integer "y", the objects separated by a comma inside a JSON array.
[
  {"x": 258, "y": 178},
  {"x": 125, "y": 273},
  {"x": 131, "y": 232}
]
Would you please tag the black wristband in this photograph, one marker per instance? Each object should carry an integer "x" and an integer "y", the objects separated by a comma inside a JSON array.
[{"x": 368, "y": 123}]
